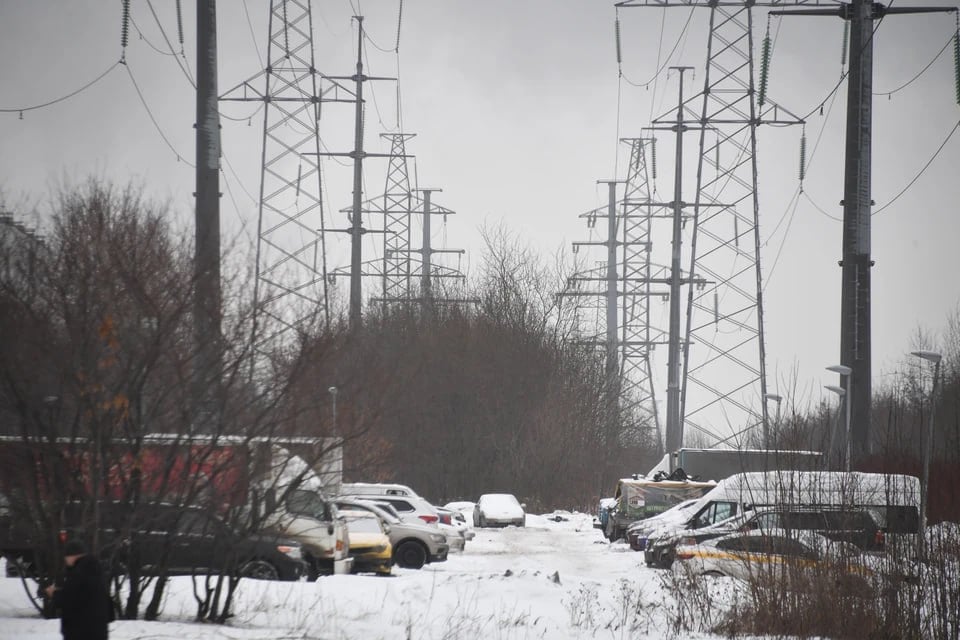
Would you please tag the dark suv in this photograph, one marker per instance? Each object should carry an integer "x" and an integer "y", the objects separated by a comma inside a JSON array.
[
  {"x": 190, "y": 540},
  {"x": 174, "y": 540},
  {"x": 856, "y": 526}
]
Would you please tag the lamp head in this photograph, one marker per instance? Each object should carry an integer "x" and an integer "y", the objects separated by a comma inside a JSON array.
[
  {"x": 932, "y": 356},
  {"x": 840, "y": 391},
  {"x": 841, "y": 369}
]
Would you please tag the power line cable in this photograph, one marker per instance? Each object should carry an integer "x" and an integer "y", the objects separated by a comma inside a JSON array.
[
  {"x": 176, "y": 57},
  {"x": 147, "y": 40},
  {"x": 920, "y": 73},
  {"x": 146, "y": 106},
  {"x": 253, "y": 36},
  {"x": 925, "y": 167},
  {"x": 61, "y": 98},
  {"x": 666, "y": 62}
]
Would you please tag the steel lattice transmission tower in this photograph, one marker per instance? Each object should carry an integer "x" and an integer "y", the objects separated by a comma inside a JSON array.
[
  {"x": 291, "y": 269},
  {"x": 397, "y": 209},
  {"x": 617, "y": 291},
  {"x": 724, "y": 371}
]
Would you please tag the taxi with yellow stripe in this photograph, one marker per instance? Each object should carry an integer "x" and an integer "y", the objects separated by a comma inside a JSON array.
[{"x": 747, "y": 554}]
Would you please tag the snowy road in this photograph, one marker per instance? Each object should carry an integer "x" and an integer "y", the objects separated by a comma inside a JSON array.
[{"x": 547, "y": 580}]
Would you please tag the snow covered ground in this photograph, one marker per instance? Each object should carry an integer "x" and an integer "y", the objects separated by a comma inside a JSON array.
[{"x": 551, "y": 580}]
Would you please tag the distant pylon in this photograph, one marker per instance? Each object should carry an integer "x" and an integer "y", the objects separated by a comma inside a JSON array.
[
  {"x": 397, "y": 203},
  {"x": 291, "y": 266},
  {"x": 617, "y": 291},
  {"x": 640, "y": 277},
  {"x": 724, "y": 383}
]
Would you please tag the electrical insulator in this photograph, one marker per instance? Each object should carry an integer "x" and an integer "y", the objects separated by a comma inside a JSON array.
[
  {"x": 125, "y": 26},
  {"x": 803, "y": 155},
  {"x": 956, "y": 62},
  {"x": 180, "y": 25},
  {"x": 616, "y": 27},
  {"x": 653, "y": 158},
  {"x": 846, "y": 40},
  {"x": 764, "y": 67}
]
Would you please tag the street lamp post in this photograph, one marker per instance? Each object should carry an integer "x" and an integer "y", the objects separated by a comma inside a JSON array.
[
  {"x": 840, "y": 391},
  {"x": 934, "y": 357},
  {"x": 333, "y": 397},
  {"x": 845, "y": 372}
]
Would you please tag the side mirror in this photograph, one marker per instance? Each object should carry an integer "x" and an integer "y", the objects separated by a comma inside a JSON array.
[
  {"x": 523, "y": 505},
  {"x": 386, "y": 528}
]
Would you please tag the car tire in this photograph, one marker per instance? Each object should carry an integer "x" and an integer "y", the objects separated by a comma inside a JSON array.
[
  {"x": 259, "y": 570},
  {"x": 410, "y": 555}
]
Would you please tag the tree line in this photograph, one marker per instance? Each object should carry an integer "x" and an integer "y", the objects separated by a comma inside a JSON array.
[{"x": 498, "y": 393}]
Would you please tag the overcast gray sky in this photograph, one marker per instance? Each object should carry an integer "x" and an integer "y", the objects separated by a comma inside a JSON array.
[{"x": 515, "y": 107}]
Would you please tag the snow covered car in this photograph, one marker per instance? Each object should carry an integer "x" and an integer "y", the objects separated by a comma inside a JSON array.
[
  {"x": 454, "y": 525},
  {"x": 852, "y": 525},
  {"x": 498, "y": 510},
  {"x": 773, "y": 552},
  {"x": 370, "y": 547}
]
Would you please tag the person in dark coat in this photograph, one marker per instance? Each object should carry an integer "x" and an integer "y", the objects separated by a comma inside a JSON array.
[{"x": 83, "y": 600}]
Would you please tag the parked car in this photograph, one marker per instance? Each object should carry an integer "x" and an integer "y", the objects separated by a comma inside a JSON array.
[
  {"x": 370, "y": 545},
  {"x": 175, "y": 539},
  {"x": 454, "y": 525},
  {"x": 414, "y": 543},
  {"x": 775, "y": 553},
  {"x": 852, "y": 525},
  {"x": 411, "y": 508},
  {"x": 639, "y": 532},
  {"x": 407, "y": 503},
  {"x": 186, "y": 540},
  {"x": 498, "y": 509},
  {"x": 376, "y": 489}
]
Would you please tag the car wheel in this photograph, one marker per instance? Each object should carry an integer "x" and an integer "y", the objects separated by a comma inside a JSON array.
[
  {"x": 410, "y": 555},
  {"x": 259, "y": 570}
]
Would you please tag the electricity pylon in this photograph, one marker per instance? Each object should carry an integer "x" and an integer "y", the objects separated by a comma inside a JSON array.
[
  {"x": 723, "y": 377},
  {"x": 402, "y": 264},
  {"x": 291, "y": 267},
  {"x": 617, "y": 291}
]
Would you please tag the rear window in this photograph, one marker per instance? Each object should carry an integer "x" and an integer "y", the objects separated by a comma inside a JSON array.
[
  {"x": 849, "y": 521},
  {"x": 804, "y": 520},
  {"x": 400, "y": 505}
]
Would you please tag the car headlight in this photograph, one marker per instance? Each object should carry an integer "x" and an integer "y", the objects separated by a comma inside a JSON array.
[
  {"x": 293, "y": 552},
  {"x": 438, "y": 537}
]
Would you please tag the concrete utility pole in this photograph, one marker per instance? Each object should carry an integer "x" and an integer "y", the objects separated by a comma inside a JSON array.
[
  {"x": 855, "y": 348},
  {"x": 674, "y": 435},
  {"x": 612, "y": 341},
  {"x": 356, "y": 226},
  {"x": 207, "y": 217},
  {"x": 426, "y": 255}
]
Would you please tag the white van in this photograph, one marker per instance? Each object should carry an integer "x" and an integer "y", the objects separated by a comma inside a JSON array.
[{"x": 892, "y": 500}]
